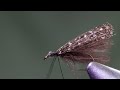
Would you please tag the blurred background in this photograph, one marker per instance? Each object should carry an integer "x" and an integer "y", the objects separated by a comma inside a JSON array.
[{"x": 27, "y": 36}]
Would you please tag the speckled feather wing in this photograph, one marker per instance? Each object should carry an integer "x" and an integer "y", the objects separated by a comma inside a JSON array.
[{"x": 91, "y": 45}]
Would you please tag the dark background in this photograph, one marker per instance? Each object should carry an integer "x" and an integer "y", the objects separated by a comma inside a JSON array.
[{"x": 27, "y": 36}]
